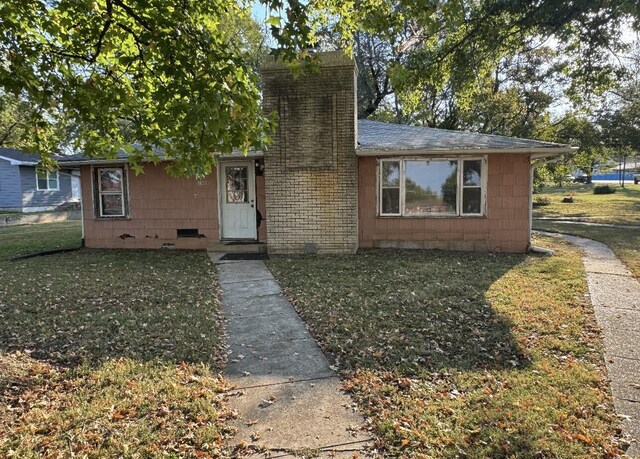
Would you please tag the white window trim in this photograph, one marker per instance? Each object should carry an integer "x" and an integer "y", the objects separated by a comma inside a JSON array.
[
  {"x": 460, "y": 180},
  {"x": 483, "y": 186},
  {"x": 400, "y": 186},
  {"x": 95, "y": 182},
  {"x": 57, "y": 188}
]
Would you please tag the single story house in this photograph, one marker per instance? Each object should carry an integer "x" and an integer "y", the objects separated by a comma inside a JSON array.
[
  {"x": 329, "y": 183},
  {"x": 26, "y": 188}
]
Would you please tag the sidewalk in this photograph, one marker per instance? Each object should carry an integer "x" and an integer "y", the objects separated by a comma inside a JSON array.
[
  {"x": 287, "y": 396},
  {"x": 581, "y": 221},
  {"x": 615, "y": 296}
]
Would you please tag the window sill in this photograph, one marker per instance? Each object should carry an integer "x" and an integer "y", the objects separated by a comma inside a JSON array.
[
  {"x": 436, "y": 217},
  {"x": 111, "y": 218}
]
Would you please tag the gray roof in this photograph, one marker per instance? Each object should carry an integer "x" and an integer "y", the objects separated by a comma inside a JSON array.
[
  {"x": 121, "y": 156},
  {"x": 20, "y": 157},
  {"x": 379, "y": 138},
  {"x": 374, "y": 135}
]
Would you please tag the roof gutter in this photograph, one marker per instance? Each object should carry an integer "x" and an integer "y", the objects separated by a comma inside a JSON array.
[
  {"x": 17, "y": 162},
  {"x": 220, "y": 156},
  {"x": 545, "y": 155},
  {"x": 534, "y": 151},
  {"x": 82, "y": 162}
]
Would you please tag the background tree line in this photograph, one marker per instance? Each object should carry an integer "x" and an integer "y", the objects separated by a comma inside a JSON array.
[{"x": 98, "y": 75}]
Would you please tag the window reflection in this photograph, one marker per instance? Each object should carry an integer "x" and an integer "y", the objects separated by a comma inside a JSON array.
[
  {"x": 472, "y": 170},
  {"x": 430, "y": 187}
]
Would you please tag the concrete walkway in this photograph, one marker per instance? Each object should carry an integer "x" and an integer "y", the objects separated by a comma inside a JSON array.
[
  {"x": 287, "y": 396},
  {"x": 573, "y": 221},
  {"x": 615, "y": 295}
]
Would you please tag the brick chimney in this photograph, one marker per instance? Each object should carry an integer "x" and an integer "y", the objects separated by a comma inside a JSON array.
[{"x": 310, "y": 172}]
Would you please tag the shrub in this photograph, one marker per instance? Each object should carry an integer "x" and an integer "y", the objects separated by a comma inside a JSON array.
[
  {"x": 603, "y": 189},
  {"x": 541, "y": 201}
]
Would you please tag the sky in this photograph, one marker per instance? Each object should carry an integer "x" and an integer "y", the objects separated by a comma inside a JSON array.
[{"x": 259, "y": 11}]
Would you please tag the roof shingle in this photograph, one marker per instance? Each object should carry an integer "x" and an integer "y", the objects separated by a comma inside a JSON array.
[
  {"x": 374, "y": 135},
  {"x": 24, "y": 157}
]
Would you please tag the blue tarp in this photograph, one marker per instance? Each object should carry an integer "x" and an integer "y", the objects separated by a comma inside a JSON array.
[{"x": 612, "y": 176}]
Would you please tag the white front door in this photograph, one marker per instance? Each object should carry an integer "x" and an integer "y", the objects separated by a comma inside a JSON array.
[{"x": 238, "y": 200}]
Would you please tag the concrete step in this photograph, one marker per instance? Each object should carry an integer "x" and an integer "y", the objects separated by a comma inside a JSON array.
[{"x": 237, "y": 247}]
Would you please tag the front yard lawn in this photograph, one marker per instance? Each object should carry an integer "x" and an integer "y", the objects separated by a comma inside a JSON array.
[
  {"x": 24, "y": 239},
  {"x": 622, "y": 207},
  {"x": 107, "y": 353},
  {"x": 462, "y": 354}
]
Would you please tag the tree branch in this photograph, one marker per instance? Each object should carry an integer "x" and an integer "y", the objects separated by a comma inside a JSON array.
[
  {"x": 133, "y": 14},
  {"x": 103, "y": 32}
]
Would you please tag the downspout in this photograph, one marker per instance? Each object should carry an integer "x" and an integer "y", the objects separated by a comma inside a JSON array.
[
  {"x": 81, "y": 208},
  {"x": 531, "y": 170}
]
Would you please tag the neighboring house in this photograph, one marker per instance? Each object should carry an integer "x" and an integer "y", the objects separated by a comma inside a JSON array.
[
  {"x": 25, "y": 188},
  {"x": 329, "y": 183}
]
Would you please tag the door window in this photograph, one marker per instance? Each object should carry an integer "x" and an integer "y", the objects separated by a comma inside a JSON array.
[{"x": 237, "y": 184}]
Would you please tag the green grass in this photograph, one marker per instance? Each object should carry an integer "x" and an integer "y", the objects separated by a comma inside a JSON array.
[
  {"x": 4, "y": 214},
  {"x": 462, "y": 354},
  {"x": 24, "y": 239},
  {"x": 625, "y": 242},
  {"x": 622, "y": 207},
  {"x": 107, "y": 353}
]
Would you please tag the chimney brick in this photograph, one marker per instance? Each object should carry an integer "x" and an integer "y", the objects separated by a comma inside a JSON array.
[{"x": 311, "y": 168}]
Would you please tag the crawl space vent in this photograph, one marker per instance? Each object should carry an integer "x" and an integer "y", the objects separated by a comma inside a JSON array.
[{"x": 189, "y": 232}]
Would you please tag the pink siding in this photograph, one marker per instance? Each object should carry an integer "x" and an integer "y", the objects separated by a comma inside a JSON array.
[
  {"x": 505, "y": 228},
  {"x": 159, "y": 205}
]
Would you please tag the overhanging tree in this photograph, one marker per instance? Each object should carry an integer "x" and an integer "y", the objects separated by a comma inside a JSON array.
[
  {"x": 160, "y": 73},
  {"x": 163, "y": 73},
  {"x": 423, "y": 48}
]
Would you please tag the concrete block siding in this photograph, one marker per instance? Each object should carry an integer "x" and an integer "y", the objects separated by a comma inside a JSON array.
[
  {"x": 159, "y": 205},
  {"x": 505, "y": 228}
]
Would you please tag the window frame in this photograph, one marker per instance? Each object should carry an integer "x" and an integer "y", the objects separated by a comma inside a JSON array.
[
  {"x": 399, "y": 187},
  {"x": 245, "y": 183},
  {"x": 48, "y": 178},
  {"x": 462, "y": 186},
  {"x": 98, "y": 193},
  {"x": 460, "y": 159}
]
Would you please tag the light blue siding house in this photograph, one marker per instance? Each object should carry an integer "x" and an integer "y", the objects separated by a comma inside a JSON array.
[{"x": 24, "y": 188}]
